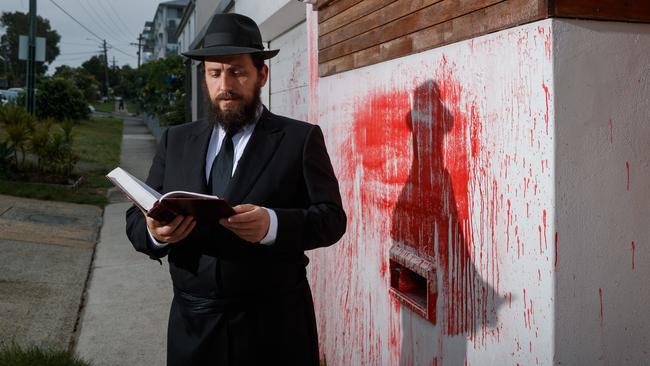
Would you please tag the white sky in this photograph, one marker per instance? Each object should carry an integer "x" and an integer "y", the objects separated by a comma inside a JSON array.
[{"x": 118, "y": 21}]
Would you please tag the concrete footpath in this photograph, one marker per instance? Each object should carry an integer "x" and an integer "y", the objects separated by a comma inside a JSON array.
[
  {"x": 47, "y": 248},
  {"x": 124, "y": 320}
]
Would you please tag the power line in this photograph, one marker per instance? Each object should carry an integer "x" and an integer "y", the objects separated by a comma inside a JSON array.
[
  {"x": 100, "y": 24},
  {"x": 119, "y": 50},
  {"x": 102, "y": 19},
  {"x": 106, "y": 11},
  {"x": 75, "y": 19},
  {"x": 78, "y": 44},
  {"x": 88, "y": 30},
  {"x": 77, "y": 53},
  {"x": 119, "y": 18}
]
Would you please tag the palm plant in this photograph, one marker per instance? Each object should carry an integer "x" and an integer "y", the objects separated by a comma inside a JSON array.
[{"x": 19, "y": 125}]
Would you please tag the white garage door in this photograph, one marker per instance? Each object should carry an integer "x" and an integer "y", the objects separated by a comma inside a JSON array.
[{"x": 289, "y": 74}]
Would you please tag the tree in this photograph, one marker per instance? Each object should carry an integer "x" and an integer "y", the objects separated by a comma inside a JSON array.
[
  {"x": 95, "y": 66},
  {"x": 17, "y": 24},
  {"x": 83, "y": 79},
  {"x": 59, "y": 98},
  {"x": 126, "y": 85},
  {"x": 161, "y": 86}
]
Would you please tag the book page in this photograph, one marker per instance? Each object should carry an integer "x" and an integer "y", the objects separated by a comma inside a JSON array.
[
  {"x": 141, "y": 194},
  {"x": 184, "y": 194}
]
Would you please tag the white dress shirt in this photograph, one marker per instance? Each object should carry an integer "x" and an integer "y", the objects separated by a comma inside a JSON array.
[{"x": 239, "y": 140}]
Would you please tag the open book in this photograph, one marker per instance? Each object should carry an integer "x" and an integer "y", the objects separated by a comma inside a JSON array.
[{"x": 202, "y": 207}]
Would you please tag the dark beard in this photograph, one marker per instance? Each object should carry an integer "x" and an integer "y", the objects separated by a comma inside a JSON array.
[{"x": 233, "y": 120}]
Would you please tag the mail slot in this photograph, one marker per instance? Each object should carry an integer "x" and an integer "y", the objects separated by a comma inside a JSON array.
[{"x": 413, "y": 281}]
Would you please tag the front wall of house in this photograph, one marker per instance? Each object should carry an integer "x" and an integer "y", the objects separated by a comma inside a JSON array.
[{"x": 448, "y": 154}]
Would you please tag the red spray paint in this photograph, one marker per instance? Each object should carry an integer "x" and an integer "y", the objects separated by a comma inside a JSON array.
[
  {"x": 627, "y": 167},
  {"x": 600, "y": 297},
  {"x": 418, "y": 152}
]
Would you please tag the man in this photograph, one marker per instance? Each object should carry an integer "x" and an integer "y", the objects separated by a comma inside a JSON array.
[{"x": 241, "y": 295}]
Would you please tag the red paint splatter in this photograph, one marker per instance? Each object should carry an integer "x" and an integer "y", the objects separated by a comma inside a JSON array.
[
  {"x": 600, "y": 297},
  {"x": 627, "y": 166},
  {"x": 508, "y": 226},
  {"x": 547, "y": 96},
  {"x": 423, "y": 145},
  {"x": 524, "y": 298},
  {"x": 633, "y": 250},
  {"x": 544, "y": 221},
  {"x": 547, "y": 41},
  {"x": 555, "y": 264}
]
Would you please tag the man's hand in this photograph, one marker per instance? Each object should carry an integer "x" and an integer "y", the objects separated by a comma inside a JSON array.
[
  {"x": 171, "y": 232},
  {"x": 251, "y": 222}
]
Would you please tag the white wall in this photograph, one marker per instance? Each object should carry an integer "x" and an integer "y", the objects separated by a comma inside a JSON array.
[
  {"x": 463, "y": 134},
  {"x": 274, "y": 17},
  {"x": 602, "y": 102},
  {"x": 204, "y": 11},
  {"x": 289, "y": 74},
  {"x": 282, "y": 24}
]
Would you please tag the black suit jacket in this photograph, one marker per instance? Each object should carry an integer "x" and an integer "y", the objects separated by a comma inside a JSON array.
[{"x": 285, "y": 167}]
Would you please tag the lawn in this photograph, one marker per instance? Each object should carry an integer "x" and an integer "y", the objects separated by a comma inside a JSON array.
[
  {"x": 107, "y": 107},
  {"x": 132, "y": 107},
  {"x": 97, "y": 142},
  {"x": 13, "y": 355}
]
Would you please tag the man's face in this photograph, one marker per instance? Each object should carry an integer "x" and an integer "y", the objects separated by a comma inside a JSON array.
[{"x": 233, "y": 84}]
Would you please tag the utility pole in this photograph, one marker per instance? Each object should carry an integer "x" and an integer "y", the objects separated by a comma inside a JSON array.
[
  {"x": 139, "y": 44},
  {"x": 31, "y": 58},
  {"x": 113, "y": 63},
  {"x": 105, "y": 70}
]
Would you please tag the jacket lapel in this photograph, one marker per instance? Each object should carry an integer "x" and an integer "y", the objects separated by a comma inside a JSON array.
[
  {"x": 194, "y": 154},
  {"x": 259, "y": 150}
]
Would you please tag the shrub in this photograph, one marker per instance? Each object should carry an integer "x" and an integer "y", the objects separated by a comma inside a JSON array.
[
  {"x": 59, "y": 98},
  {"x": 40, "y": 142},
  {"x": 52, "y": 145},
  {"x": 7, "y": 153},
  {"x": 18, "y": 125}
]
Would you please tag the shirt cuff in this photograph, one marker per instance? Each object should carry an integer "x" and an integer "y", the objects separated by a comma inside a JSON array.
[
  {"x": 153, "y": 243},
  {"x": 269, "y": 239}
]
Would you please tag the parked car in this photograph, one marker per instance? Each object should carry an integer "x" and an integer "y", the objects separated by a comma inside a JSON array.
[{"x": 11, "y": 96}]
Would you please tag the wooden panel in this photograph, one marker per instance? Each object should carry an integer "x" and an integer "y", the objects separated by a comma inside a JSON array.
[
  {"x": 334, "y": 7},
  {"x": 505, "y": 14},
  {"x": 350, "y": 15},
  {"x": 434, "y": 14},
  {"x": 322, "y": 3},
  {"x": 625, "y": 10},
  {"x": 371, "y": 21}
]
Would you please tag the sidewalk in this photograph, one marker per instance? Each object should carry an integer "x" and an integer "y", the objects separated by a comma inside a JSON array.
[
  {"x": 47, "y": 248},
  {"x": 124, "y": 321}
]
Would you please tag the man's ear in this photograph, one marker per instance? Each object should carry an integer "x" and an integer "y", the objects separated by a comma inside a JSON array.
[{"x": 263, "y": 75}]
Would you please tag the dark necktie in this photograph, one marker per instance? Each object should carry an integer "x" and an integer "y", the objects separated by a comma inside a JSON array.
[{"x": 222, "y": 167}]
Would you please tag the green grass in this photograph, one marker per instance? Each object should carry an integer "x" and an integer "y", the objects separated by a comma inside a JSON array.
[
  {"x": 107, "y": 107},
  {"x": 132, "y": 107},
  {"x": 97, "y": 142},
  {"x": 17, "y": 356}
]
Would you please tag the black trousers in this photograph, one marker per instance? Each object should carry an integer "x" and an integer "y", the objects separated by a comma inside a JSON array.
[{"x": 264, "y": 330}]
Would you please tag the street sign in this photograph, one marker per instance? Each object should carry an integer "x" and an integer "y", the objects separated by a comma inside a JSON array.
[{"x": 23, "y": 48}]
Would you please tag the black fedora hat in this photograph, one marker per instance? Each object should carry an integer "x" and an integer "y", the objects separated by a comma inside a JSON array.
[{"x": 230, "y": 34}]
